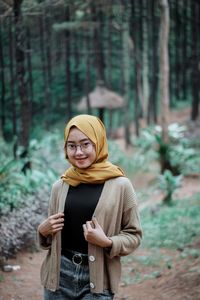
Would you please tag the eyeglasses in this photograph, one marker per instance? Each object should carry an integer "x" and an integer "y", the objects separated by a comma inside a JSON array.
[{"x": 84, "y": 146}]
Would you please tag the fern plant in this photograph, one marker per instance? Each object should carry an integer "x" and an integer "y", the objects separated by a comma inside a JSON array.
[{"x": 169, "y": 183}]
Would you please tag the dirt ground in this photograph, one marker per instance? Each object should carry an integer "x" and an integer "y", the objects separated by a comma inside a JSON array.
[{"x": 181, "y": 281}]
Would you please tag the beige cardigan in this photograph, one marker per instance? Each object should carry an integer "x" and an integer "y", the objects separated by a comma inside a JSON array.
[{"x": 117, "y": 213}]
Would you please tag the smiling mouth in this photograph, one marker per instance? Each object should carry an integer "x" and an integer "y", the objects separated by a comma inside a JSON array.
[{"x": 80, "y": 159}]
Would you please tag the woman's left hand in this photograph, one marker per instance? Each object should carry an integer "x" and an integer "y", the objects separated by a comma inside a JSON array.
[{"x": 94, "y": 234}]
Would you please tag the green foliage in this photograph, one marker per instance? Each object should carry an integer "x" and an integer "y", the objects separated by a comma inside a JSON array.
[
  {"x": 16, "y": 186},
  {"x": 172, "y": 228},
  {"x": 165, "y": 229},
  {"x": 169, "y": 183},
  {"x": 131, "y": 163},
  {"x": 179, "y": 152}
]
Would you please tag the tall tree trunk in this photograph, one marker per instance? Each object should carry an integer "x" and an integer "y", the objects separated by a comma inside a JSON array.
[
  {"x": 109, "y": 55},
  {"x": 43, "y": 65},
  {"x": 164, "y": 67},
  {"x": 177, "y": 55},
  {"x": 184, "y": 47},
  {"x": 20, "y": 66},
  {"x": 12, "y": 87},
  {"x": 29, "y": 67},
  {"x": 195, "y": 74},
  {"x": 98, "y": 50},
  {"x": 48, "y": 42},
  {"x": 87, "y": 77},
  {"x": 3, "y": 87},
  {"x": 68, "y": 67},
  {"x": 109, "y": 64},
  {"x": 152, "y": 101},
  {"x": 77, "y": 80},
  {"x": 126, "y": 65},
  {"x": 138, "y": 78},
  {"x": 145, "y": 50}
]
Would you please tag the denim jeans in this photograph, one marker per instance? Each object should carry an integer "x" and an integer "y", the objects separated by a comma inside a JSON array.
[{"x": 74, "y": 284}]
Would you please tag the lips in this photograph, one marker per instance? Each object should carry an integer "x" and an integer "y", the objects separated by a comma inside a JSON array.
[{"x": 80, "y": 160}]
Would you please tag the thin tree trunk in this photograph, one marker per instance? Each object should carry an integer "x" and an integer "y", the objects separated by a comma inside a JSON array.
[
  {"x": 145, "y": 50},
  {"x": 184, "y": 52},
  {"x": 109, "y": 65},
  {"x": 88, "y": 78},
  {"x": 195, "y": 74},
  {"x": 152, "y": 103},
  {"x": 43, "y": 63},
  {"x": 68, "y": 67},
  {"x": 12, "y": 88},
  {"x": 177, "y": 55},
  {"x": 3, "y": 87},
  {"x": 126, "y": 64},
  {"x": 29, "y": 67},
  {"x": 48, "y": 40},
  {"x": 98, "y": 51},
  {"x": 77, "y": 59},
  {"x": 164, "y": 67},
  {"x": 109, "y": 55},
  {"x": 137, "y": 77},
  {"x": 20, "y": 65}
]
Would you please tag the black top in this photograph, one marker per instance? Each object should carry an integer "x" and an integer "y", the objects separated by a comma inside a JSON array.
[{"x": 80, "y": 204}]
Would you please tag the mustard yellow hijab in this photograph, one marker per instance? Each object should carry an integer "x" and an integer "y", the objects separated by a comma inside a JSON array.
[{"x": 101, "y": 170}]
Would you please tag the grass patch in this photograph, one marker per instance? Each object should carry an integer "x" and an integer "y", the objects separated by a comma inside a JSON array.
[
  {"x": 170, "y": 229},
  {"x": 173, "y": 226}
]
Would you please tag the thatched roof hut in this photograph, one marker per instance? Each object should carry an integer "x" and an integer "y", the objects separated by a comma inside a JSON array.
[{"x": 101, "y": 98}]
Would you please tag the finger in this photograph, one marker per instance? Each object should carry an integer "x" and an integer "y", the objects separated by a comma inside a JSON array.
[
  {"x": 58, "y": 221},
  {"x": 56, "y": 228},
  {"x": 84, "y": 228},
  {"x": 88, "y": 225},
  {"x": 59, "y": 215}
]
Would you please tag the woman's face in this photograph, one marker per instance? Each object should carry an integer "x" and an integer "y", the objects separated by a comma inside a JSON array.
[{"x": 80, "y": 149}]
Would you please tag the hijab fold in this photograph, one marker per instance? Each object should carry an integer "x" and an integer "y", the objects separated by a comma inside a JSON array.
[{"x": 101, "y": 170}]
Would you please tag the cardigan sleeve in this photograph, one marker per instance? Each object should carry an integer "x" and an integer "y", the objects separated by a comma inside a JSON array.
[{"x": 129, "y": 237}]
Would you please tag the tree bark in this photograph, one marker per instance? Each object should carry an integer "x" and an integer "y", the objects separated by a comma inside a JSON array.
[
  {"x": 29, "y": 67},
  {"x": 3, "y": 88},
  {"x": 195, "y": 61},
  {"x": 67, "y": 66},
  {"x": 153, "y": 60},
  {"x": 12, "y": 88},
  {"x": 44, "y": 105},
  {"x": 21, "y": 81},
  {"x": 88, "y": 77},
  {"x": 164, "y": 67},
  {"x": 126, "y": 65},
  {"x": 138, "y": 78},
  {"x": 98, "y": 50}
]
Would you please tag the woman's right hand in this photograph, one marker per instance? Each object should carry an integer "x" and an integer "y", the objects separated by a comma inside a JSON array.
[{"x": 52, "y": 224}]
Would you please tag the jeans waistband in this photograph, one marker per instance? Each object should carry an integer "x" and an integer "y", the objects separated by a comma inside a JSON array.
[{"x": 76, "y": 257}]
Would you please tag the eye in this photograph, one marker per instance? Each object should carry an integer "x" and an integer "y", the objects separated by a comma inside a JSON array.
[
  {"x": 71, "y": 146},
  {"x": 85, "y": 145}
]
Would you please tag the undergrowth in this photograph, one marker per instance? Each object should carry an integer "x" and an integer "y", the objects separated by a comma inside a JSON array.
[{"x": 173, "y": 228}]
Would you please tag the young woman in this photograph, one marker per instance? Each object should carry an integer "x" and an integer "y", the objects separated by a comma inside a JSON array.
[{"x": 93, "y": 219}]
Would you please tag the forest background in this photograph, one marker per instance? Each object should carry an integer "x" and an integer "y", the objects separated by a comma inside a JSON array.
[{"x": 143, "y": 56}]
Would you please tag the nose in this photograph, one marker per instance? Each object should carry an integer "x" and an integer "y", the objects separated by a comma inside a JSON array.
[{"x": 78, "y": 149}]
